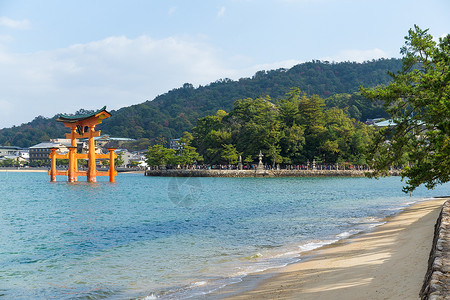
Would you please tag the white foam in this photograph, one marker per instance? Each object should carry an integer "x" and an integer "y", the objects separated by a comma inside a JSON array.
[
  {"x": 314, "y": 245},
  {"x": 198, "y": 283},
  {"x": 201, "y": 288},
  {"x": 290, "y": 254},
  {"x": 344, "y": 235}
]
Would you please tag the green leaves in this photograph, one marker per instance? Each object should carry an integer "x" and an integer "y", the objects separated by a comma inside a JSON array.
[
  {"x": 157, "y": 156},
  {"x": 119, "y": 160},
  {"x": 187, "y": 155},
  {"x": 230, "y": 154},
  {"x": 418, "y": 102}
]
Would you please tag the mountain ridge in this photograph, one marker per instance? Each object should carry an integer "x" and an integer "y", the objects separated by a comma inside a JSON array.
[{"x": 170, "y": 114}]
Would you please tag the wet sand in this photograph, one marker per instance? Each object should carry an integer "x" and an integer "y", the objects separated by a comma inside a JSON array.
[{"x": 389, "y": 262}]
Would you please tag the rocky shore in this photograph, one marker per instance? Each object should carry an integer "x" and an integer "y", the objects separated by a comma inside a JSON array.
[{"x": 437, "y": 279}]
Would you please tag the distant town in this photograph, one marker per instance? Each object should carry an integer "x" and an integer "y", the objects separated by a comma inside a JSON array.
[{"x": 38, "y": 155}]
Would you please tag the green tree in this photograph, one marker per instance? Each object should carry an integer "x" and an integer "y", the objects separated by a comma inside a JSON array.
[
  {"x": 359, "y": 144},
  {"x": 289, "y": 108},
  {"x": 215, "y": 139},
  {"x": 40, "y": 163},
  {"x": 248, "y": 160},
  {"x": 335, "y": 144},
  {"x": 291, "y": 143},
  {"x": 418, "y": 102},
  {"x": 202, "y": 139},
  {"x": 254, "y": 126},
  {"x": 295, "y": 129},
  {"x": 8, "y": 162},
  {"x": 119, "y": 160},
  {"x": 230, "y": 154},
  {"x": 82, "y": 162},
  {"x": 292, "y": 137},
  {"x": 188, "y": 154},
  {"x": 158, "y": 156},
  {"x": 62, "y": 162},
  {"x": 161, "y": 140},
  {"x": 312, "y": 118}
]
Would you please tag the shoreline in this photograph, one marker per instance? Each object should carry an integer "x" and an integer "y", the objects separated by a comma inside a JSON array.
[
  {"x": 388, "y": 262},
  {"x": 258, "y": 173}
]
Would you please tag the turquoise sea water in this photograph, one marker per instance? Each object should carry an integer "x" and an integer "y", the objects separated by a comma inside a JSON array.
[{"x": 173, "y": 238}]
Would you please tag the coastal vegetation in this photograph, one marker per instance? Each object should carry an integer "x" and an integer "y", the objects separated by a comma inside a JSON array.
[
  {"x": 9, "y": 162},
  {"x": 418, "y": 101},
  {"x": 185, "y": 155},
  {"x": 292, "y": 130},
  {"x": 295, "y": 129}
]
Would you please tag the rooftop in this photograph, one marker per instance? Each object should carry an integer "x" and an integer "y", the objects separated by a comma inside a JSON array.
[
  {"x": 109, "y": 138},
  {"x": 47, "y": 145},
  {"x": 385, "y": 123},
  {"x": 11, "y": 147},
  {"x": 76, "y": 118}
]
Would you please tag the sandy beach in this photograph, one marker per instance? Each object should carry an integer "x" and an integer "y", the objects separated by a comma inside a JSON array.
[{"x": 389, "y": 262}]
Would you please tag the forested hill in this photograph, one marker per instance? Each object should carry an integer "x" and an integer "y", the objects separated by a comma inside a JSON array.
[{"x": 170, "y": 114}]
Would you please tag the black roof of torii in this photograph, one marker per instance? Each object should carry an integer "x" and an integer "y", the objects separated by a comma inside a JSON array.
[{"x": 77, "y": 118}]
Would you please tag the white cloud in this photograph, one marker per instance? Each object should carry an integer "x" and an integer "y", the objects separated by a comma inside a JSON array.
[
  {"x": 115, "y": 71},
  {"x": 221, "y": 12},
  {"x": 14, "y": 24},
  {"x": 358, "y": 55}
]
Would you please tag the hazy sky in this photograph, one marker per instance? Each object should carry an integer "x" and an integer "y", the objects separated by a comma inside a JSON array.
[{"x": 59, "y": 56}]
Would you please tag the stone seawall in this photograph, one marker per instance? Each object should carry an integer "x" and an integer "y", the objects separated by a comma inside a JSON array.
[
  {"x": 437, "y": 280},
  {"x": 254, "y": 173}
]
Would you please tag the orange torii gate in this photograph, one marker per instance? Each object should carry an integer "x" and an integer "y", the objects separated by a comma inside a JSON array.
[{"x": 83, "y": 126}]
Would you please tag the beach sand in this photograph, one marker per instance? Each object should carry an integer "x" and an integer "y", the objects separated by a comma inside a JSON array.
[{"x": 389, "y": 262}]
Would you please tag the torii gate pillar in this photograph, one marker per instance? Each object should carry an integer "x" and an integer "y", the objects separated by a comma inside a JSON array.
[{"x": 92, "y": 168}]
